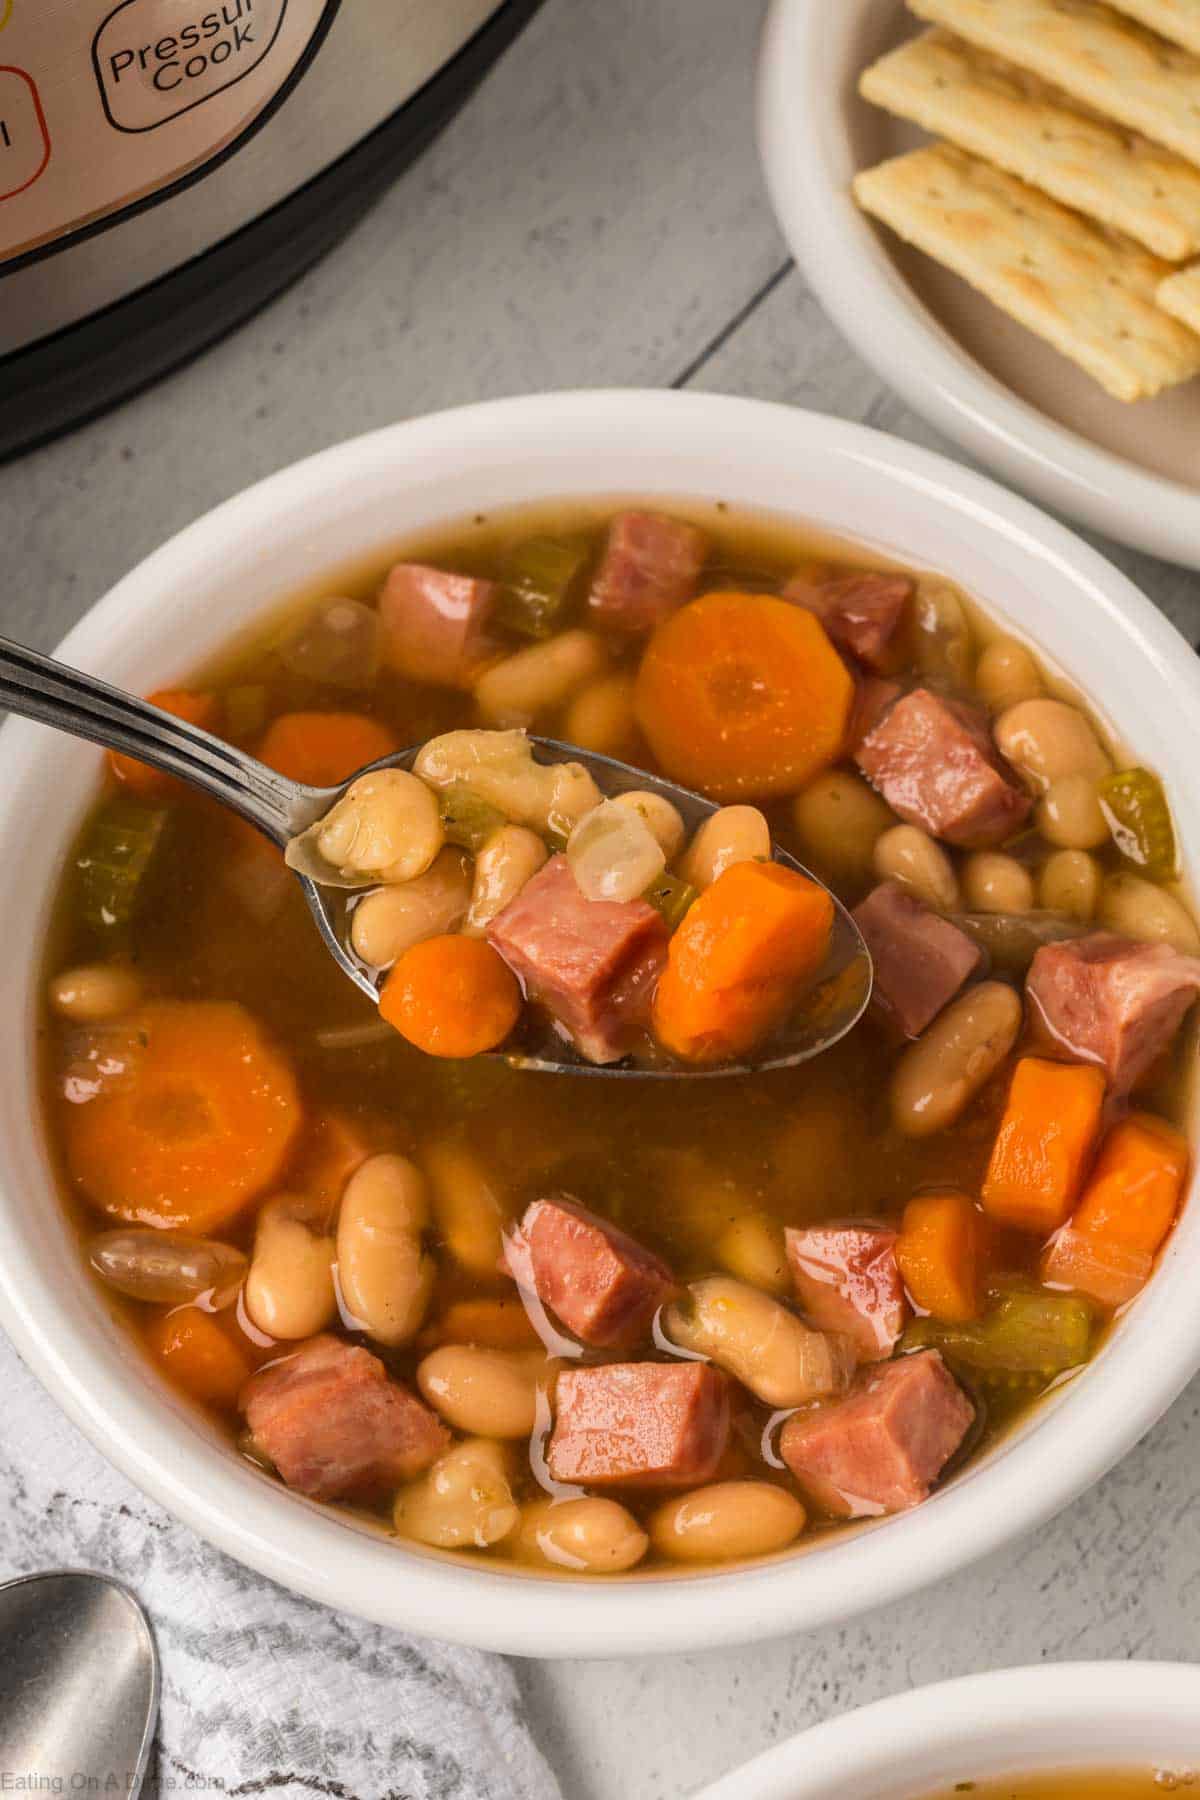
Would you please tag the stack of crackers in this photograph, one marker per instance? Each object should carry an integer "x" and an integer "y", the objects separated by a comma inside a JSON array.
[{"x": 1066, "y": 182}]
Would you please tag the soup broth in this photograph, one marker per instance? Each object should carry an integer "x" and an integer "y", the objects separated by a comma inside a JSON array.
[
  {"x": 179, "y": 905},
  {"x": 1084, "y": 1784}
]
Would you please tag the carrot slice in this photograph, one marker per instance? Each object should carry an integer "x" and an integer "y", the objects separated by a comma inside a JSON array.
[
  {"x": 323, "y": 749},
  {"x": 494, "y": 1324},
  {"x": 199, "y": 1119},
  {"x": 452, "y": 996},
  {"x": 198, "y": 1357},
  {"x": 941, "y": 1251},
  {"x": 1107, "y": 1249},
  {"x": 199, "y": 709},
  {"x": 1042, "y": 1148},
  {"x": 740, "y": 960},
  {"x": 743, "y": 695}
]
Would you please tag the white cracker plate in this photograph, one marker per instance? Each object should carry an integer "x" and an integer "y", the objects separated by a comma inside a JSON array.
[{"x": 1132, "y": 472}]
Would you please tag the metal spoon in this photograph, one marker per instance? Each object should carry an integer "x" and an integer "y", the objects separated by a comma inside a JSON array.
[
  {"x": 78, "y": 1684},
  {"x": 39, "y": 688}
]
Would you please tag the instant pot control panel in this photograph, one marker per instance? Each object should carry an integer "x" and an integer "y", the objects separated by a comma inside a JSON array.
[{"x": 104, "y": 106}]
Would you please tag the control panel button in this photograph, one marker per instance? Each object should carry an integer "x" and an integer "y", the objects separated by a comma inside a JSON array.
[
  {"x": 155, "y": 59},
  {"x": 24, "y": 139}
]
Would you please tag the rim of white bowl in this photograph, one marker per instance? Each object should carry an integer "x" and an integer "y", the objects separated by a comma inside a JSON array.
[
  {"x": 501, "y": 450},
  {"x": 1068, "y": 1716},
  {"x": 808, "y": 162}
]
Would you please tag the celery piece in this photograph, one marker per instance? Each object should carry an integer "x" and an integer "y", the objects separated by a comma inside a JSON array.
[
  {"x": 114, "y": 858},
  {"x": 1027, "y": 1331},
  {"x": 1139, "y": 818},
  {"x": 671, "y": 897},
  {"x": 467, "y": 819},
  {"x": 540, "y": 578}
]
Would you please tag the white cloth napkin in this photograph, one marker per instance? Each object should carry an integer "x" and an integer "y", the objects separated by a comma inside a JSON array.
[{"x": 263, "y": 1693}]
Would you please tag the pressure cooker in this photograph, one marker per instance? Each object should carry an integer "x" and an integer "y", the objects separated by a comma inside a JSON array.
[{"x": 166, "y": 166}]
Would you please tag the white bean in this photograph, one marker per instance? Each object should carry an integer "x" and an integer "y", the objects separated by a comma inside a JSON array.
[
  {"x": 536, "y": 680},
  {"x": 726, "y": 1522},
  {"x": 1140, "y": 909},
  {"x": 839, "y": 818},
  {"x": 95, "y": 992},
  {"x": 593, "y": 1535},
  {"x": 1069, "y": 814},
  {"x": 663, "y": 819},
  {"x": 465, "y": 1501},
  {"x": 940, "y": 1074},
  {"x": 385, "y": 924},
  {"x": 601, "y": 718},
  {"x": 733, "y": 834},
  {"x": 770, "y": 1351},
  {"x": 752, "y": 1249},
  {"x": 1047, "y": 739},
  {"x": 384, "y": 1274},
  {"x": 1006, "y": 674},
  {"x": 511, "y": 857},
  {"x": 289, "y": 1290},
  {"x": 943, "y": 639},
  {"x": 498, "y": 766},
  {"x": 468, "y": 1206},
  {"x": 911, "y": 858},
  {"x": 486, "y": 1393},
  {"x": 1069, "y": 883},
  {"x": 167, "y": 1267},
  {"x": 995, "y": 883},
  {"x": 386, "y": 827}
]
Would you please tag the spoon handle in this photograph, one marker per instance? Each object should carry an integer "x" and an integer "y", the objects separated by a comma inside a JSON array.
[{"x": 39, "y": 688}]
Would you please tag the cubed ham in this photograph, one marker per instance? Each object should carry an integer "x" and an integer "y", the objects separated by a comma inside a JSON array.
[
  {"x": 596, "y": 1280},
  {"x": 933, "y": 761},
  {"x": 860, "y": 612},
  {"x": 649, "y": 1424},
  {"x": 435, "y": 625},
  {"x": 336, "y": 1425},
  {"x": 873, "y": 695},
  {"x": 846, "y": 1279},
  {"x": 921, "y": 960},
  {"x": 650, "y": 566},
  {"x": 1111, "y": 1000},
  {"x": 881, "y": 1448},
  {"x": 593, "y": 964}
]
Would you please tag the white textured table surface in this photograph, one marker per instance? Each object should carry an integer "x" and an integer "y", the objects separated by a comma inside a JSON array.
[{"x": 595, "y": 217}]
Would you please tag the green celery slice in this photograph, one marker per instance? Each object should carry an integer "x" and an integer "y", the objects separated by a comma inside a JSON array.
[
  {"x": 1026, "y": 1332},
  {"x": 1139, "y": 818},
  {"x": 114, "y": 859},
  {"x": 672, "y": 898},
  {"x": 540, "y": 580}
]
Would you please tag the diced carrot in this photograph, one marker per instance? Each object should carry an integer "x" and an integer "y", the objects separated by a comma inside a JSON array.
[
  {"x": 198, "y": 1357},
  {"x": 452, "y": 996},
  {"x": 1042, "y": 1148},
  {"x": 743, "y": 695},
  {"x": 323, "y": 749},
  {"x": 740, "y": 960},
  {"x": 1108, "y": 1247},
  {"x": 941, "y": 1251},
  {"x": 494, "y": 1324},
  {"x": 199, "y": 709},
  {"x": 200, "y": 1118},
  {"x": 331, "y": 1148}
]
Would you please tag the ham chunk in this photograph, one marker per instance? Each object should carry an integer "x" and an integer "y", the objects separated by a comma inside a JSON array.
[
  {"x": 846, "y": 1279},
  {"x": 933, "y": 761},
  {"x": 1111, "y": 1000},
  {"x": 881, "y": 1448},
  {"x": 593, "y": 964},
  {"x": 336, "y": 1425},
  {"x": 650, "y": 566},
  {"x": 650, "y": 1424},
  {"x": 921, "y": 960},
  {"x": 601, "y": 1284},
  {"x": 435, "y": 625},
  {"x": 860, "y": 612}
]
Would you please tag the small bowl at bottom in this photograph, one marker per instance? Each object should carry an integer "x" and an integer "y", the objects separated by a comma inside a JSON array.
[{"x": 1079, "y": 1718}]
